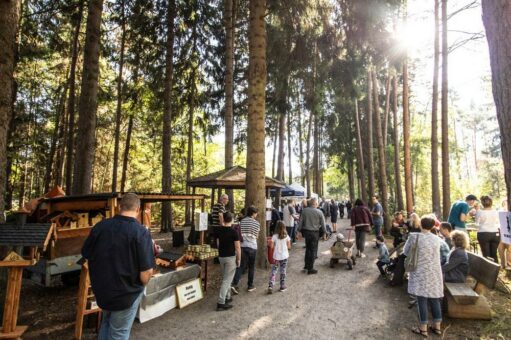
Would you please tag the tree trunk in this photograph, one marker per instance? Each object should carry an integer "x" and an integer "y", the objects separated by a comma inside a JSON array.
[
  {"x": 315, "y": 157},
  {"x": 118, "y": 111},
  {"x": 275, "y": 139},
  {"x": 307, "y": 155},
  {"x": 370, "y": 158},
  {"x": 397, "y": 166},
  {"x": 54, "y": 139},
  {"x": 435, "y": 185},
  {"x": 88, "y": 104},
  {"x": 300, "y": 148},
  {"x": 229, "y": 24},
  {"x": 382, "y": 161},
  {"x": 282, "y": 139},
  {"x": 71, "y": 100},
  {"x": 497, "y": 20},
  {"x": 406, "y": 140},
  {"x": 360, "y": 156},
  {"x": 351, "y": 180},
  {"x": 126, "y": 155},
  {"x": 385, "y": 128},
  {"x": 9, "y": 16},
  {"x": 166, "y": 186},
  {"x": 290, "y": 166},
  {"x": 446, "y": 182},
  {"x": 255, "y": 181}
]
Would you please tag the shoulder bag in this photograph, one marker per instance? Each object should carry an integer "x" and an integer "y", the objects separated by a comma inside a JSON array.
[{"x": 413, "y": 256}]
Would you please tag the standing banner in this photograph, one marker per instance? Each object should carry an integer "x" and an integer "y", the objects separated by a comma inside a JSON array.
[{"x": 505, "y": 227}]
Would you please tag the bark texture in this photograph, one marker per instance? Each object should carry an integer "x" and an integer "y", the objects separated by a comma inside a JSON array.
[
  {"x": 229, "y": 24},
  {"x": 497, "y": 23},
  {"x": 435, "y": 184},
  {"x": 360, "y": 156},
  {"x": 446, "y": 181},
  {"x": 370, "y": 165},
  {"x": 397, "y": 165},
  {"x": 87, "y": 107},
  {"x": 9, "y": 16},
  {"x": 166, "y": 182},
  {"x": 255, "y": 182},
  {"x": 406, "y": 140}
]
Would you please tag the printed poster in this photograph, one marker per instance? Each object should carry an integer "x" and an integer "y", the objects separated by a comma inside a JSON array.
[{"x": 505, "y": 227}]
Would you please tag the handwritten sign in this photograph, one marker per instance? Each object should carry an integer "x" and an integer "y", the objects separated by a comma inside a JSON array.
[
  {"x": 505, "y": 227},
  {"x": 201, "y": 221},
  {"x": 189, "y": 292}
]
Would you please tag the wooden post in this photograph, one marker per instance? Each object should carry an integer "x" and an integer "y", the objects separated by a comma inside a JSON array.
[
  {"x": 81, "y": 304},
  {"x": 12, "y": 299},
  {"x": 212, "y": 197}
]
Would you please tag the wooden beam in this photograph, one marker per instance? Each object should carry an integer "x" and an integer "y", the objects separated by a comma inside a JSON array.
[{"x": 15, "y": 334}]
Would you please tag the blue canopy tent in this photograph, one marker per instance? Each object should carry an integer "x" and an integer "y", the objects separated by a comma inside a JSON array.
[{"x": 293, "y": 190}]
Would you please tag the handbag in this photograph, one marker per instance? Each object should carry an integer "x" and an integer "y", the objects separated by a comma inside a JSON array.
[
  {"x": 412, "y": 257},
  {"x": 321, "y": 231}
]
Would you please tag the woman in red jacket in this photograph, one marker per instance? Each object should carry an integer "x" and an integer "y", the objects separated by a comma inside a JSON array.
[{"x": 361, "y": 220}]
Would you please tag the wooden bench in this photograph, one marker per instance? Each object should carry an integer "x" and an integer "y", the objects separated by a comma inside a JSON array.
[{"x": 465, "y": 301}]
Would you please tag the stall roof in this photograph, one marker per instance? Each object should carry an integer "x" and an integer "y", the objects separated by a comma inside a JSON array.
[
  {"x": 230, "y": 178},
  {"x": 28, "y": 235},
  {"x": 144, "y": 196}
]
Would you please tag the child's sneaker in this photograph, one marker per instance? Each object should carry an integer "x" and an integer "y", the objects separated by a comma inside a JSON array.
[
  {"x": 251, "y": 289},
  {"x": 270, "y": 290},
  {"x": 283, "y": 289}
]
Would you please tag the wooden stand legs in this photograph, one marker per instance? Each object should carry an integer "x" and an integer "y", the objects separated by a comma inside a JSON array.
[{"x": 9, "y": 328}]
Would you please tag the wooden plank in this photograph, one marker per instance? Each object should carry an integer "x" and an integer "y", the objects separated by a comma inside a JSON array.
[
  {"x": 9, "y": 302},
  {"x": 478, "y": 311},
  {"x": 81, "y": 301},
  {"x": 15, "y": 334},
  {"x": 24, "y": 263},
  {"x": 51, "y": 232},
  {"x": 462, "y": 293},
  {"x": 79, "y": 205},
  {"x": 18, "y": 272},
  {"x": 483, "y": 270},
  {"x": 72, "y": 233}
]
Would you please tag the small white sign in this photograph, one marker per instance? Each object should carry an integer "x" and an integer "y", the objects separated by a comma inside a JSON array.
[
  {"x": 268, "y": 203},
  {"x": 505, "y": 227},
  {"x": 201, "y": 221},
  {"x": 189, "y": 292},
  {"x": 268, "y": 215}
]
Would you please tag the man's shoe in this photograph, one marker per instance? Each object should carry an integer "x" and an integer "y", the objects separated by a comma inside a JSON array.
[
  {"x": 229, "y": 300},
  {"x": 221, "y": 307},
  {"x": 251, "y": 289},
  {"x": 312, "y": 271},
  {"x": 270, "y": 290},
  {"x": 234, "y": 290},
  {"x": 283, "y": 289},
  {"x": 362, "y": 255}
]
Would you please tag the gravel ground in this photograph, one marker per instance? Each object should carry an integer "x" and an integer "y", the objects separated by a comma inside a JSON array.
[{"x": 334, "y": 304}]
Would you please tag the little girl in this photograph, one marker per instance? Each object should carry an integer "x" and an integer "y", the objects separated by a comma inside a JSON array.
[{"x": 281, "y": 243}]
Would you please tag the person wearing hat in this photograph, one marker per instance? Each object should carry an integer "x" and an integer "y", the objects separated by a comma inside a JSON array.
[{"x": 459, "y": 212}]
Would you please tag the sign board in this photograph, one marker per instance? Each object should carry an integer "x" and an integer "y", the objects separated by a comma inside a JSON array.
[
  {"x": 505, "y": 227},
  {"x": 201, "y": 221},
  {"x": 268, "y": 215},
  {"x": 268, "y": 203},
  {"x": 189, "y": 292}
]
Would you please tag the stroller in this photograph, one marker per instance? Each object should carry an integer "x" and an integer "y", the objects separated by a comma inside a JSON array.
[{"x": 343, "y": 250}]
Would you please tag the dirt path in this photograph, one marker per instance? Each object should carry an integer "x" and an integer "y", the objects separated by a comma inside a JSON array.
[{"x": 334, "y": 304}]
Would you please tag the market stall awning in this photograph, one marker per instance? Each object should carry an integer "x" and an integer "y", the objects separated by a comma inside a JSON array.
[
  {"x": 293, "y": 190},
  {"x": 230, "y": 178}
]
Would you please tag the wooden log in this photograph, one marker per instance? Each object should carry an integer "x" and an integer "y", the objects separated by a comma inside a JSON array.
[
  {"x": 478, "y": 311},
  {"x": 462, "y": 293}
]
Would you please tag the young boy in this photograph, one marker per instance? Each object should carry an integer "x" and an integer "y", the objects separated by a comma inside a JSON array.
[
  {"x": 445, "y": 230},
  {"x": 383, "y": 258}
]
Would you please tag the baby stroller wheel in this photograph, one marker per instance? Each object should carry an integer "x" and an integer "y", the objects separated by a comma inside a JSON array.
[
  {"x": 350, "y": 264},
  {"x": 353, "y": 259}
]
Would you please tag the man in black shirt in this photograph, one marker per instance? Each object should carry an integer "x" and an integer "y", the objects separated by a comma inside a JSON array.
[{"x": 121, "y": 260}]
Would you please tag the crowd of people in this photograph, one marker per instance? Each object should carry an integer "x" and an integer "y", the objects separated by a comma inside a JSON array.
[{"x": 121, "y": 253}]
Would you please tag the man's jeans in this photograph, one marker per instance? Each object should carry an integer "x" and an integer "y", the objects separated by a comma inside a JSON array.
[
  {"x": 311, "y": 247},
  {"x": 422, "y": 309},
  {"x": 116, "y": 325},
  {"x": 377, "y": 229},
  {"x": 228, "y": 267},
  {"x": 248, "y": 258},
  {"x": 291, "y": 232}
]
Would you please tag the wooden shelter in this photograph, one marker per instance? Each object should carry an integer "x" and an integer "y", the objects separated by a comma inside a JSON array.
[
  {"x": 22, "y": 243},
  {"x": 229, "y": 178}
]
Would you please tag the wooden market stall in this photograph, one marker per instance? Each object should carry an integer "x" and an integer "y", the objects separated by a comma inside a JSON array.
[
  {"x": 74, "y": 216},
  {"x": 22, "y": 243}
]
